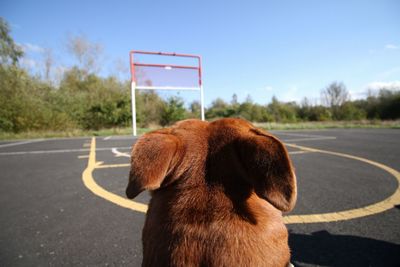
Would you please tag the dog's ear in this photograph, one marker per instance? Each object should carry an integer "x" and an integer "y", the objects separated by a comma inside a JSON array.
[
  {"x": 268, "y": 168},
  {"x": 153, "y": 158}
]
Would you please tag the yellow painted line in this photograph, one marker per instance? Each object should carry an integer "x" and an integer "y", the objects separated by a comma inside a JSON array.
[
  {"x": 83, "y": 156},
  {"x": 378, "y": 207},
  {"x": 101, "y": 192}
]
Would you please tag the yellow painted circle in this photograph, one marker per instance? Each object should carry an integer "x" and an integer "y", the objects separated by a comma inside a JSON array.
[{"x": 388, "y": 203}]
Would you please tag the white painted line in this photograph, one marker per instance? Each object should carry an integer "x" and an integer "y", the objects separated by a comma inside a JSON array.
[
  {"x": 43, "y": 152},
  {"x": 304, "y": 137},
  {"x": 300, "y": 135},
  {"x": 22, "y": 143},
  {"x": 299, "y": 152},
  {"x": 114, "y": 150},
  {"x": 120, "y": 137},
  {"x": 309, "y": 139},
  {"x": 56, "y": 151},
  {"x": 119, "y": 154}
]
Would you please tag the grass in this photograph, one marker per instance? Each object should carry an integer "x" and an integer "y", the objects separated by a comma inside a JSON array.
[
  {"x": 70, "y": 133},
  {"x": 316, "y": 125},
  {"x": 267, "y": 125}
]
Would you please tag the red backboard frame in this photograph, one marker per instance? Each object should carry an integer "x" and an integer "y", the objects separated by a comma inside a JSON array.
[
  {"x": 133, "y": 64},
  {"x": 134, "y": 85}
]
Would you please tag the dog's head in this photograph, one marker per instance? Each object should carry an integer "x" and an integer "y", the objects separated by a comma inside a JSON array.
[{"x": 195, "y": 152}]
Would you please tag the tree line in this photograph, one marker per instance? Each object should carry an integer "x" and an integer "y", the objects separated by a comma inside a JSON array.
[{"x": 82, "y": 99}]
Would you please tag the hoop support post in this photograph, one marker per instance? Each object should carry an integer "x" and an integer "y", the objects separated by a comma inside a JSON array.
[{"x": 133, "y": 89}]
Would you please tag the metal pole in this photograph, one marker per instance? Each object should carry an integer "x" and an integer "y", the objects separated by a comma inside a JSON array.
[
  {"x": 201, "y": 90},
  {"x": 133, "y": 97},
  {"x": 202, "y": 102}
]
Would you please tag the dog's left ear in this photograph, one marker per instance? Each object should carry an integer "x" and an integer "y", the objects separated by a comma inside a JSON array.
[
  {"x": 153, "y": 158},
  {"x": 269, "y": 169}
]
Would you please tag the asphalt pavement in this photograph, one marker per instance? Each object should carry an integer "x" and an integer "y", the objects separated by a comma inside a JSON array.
[{"x": 62, "y": 200}]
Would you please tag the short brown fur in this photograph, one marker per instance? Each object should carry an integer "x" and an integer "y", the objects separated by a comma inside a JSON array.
[{"x": 218, "y": 192}]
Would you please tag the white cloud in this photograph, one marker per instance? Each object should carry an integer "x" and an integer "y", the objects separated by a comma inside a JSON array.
[
  {"x": 393, "y": 85},
  {"x": 392, "y": 46},
  {"x": 358, "y": 94},
  {"x": 28, "y": 47},
  {"x": 388, "y": 74}
]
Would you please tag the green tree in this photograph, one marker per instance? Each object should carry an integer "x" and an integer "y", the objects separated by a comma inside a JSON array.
[
  {"x": 217, "y": 109},
  {"x": 234, "y": 100},
  {"x": 246, "y": 109},
  {"x": 194, "y": 109},
  {"x": 350, "y": 111},
  {"x": 9, "y": 51},
  {"x": 149, "y": 108},
  {"x": 383, "y": 105},
  {"x": 173, "y": 111},
  {"x": 28, "y": 103},
  {"x": 233, "y": 108},
  {"x": 389, "y": 104},
  {"x": 319, "y": 113},
  {"x": 334, "y": 96},
  {"x": 282, "y": 112},
  {"x": 309, "y": 112}
]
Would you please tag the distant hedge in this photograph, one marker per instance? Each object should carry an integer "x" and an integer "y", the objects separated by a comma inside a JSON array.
[{"x": 92, "y": 102}]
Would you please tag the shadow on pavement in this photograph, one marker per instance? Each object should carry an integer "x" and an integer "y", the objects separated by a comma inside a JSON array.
[{"x": 323, "y": 248}]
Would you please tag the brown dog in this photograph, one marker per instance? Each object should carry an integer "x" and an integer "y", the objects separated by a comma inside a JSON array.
[{"x": 218, "y": 190}]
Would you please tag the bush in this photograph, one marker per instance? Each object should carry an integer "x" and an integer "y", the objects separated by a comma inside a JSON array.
[
  {"x": 282, "y": 112},
  {"x": 149, "y": 107},
  {"x": 27, "y": 103},
  {"x": 349, "y": 111},
  {"x": 173, "y": 111}
]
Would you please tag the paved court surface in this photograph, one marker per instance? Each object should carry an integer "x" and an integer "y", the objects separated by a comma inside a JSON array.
[{"x": 62, "y": 200}]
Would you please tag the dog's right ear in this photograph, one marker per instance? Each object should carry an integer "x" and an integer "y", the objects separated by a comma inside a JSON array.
[
  {"x": 269, "y": 168},
  {"x": 153, "y": 158}
]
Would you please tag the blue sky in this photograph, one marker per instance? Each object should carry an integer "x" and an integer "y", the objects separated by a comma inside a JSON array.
[{"x": 290, "y": 49}]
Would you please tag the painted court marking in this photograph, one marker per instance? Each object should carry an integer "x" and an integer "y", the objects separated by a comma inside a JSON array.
[
  {"x": 21, "y": 143},
  {"x": 119, "y": 137},
  {"x": 86, "y": 146},
  {"x": 101, "y": 192},
  {"x": 300, "y": 135},
  {"x": 305, "y": 137},
  {"x": 119, "y": 154},
  {"x": 376, "y": 208},
  {"x": 310, "y": 139},
  {"x": 58, "y": 151}
]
